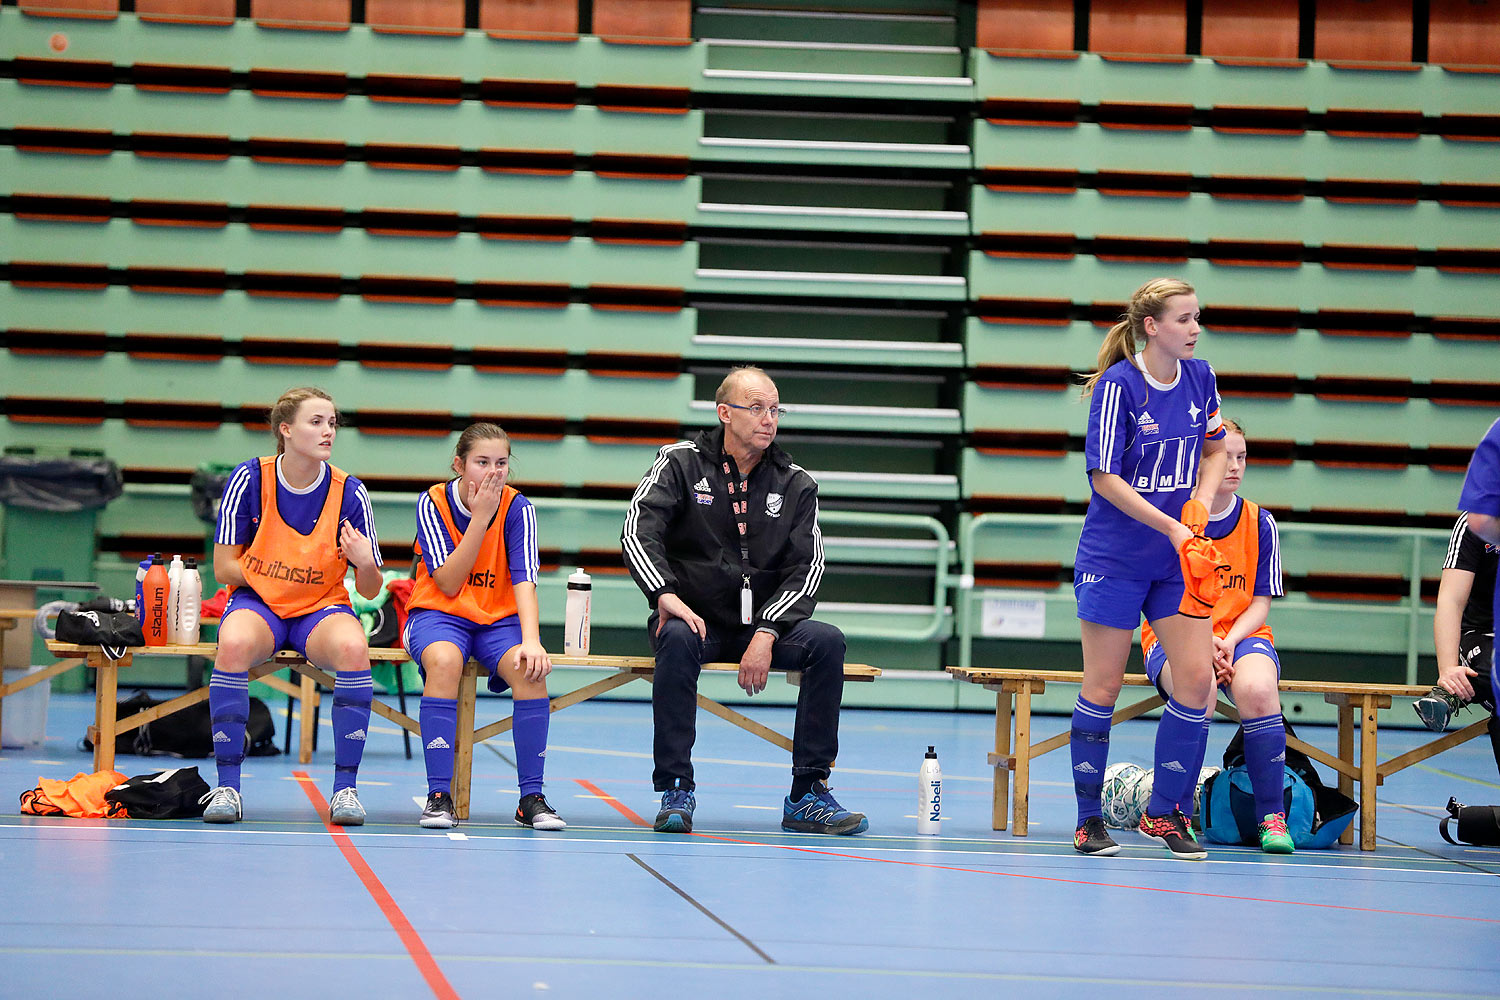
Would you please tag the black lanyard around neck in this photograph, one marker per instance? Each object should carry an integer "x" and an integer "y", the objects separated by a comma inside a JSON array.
[{"x": 739, "y": 504}]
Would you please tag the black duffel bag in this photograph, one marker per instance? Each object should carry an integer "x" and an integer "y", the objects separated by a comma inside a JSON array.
[{"x": 175, "y": 794}]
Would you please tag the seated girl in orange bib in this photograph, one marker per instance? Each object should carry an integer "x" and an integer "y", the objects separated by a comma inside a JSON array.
[
  {"x": 475, "y": 596},
  {"x": 1245, "y": 659},
  {"x": 290, "y": 526}
]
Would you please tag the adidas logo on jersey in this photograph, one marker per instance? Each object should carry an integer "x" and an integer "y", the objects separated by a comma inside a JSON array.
[
  {"x": 438, "y": 743},
  {"x": 221, "y": 737},
  {"x": 702, "y": 485},
  {"x": 1147, "y": 423},
  {"x": 1173, "y": 765},
  {"x": 1086, "y": 768},
  {"x": 358, "y": 734}
]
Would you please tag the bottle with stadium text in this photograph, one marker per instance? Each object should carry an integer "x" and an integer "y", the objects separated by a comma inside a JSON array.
[
  {"x": 576, "y": 615},
  {"x": 930, "y": 795},
  {"x": 154, "y": 595}
]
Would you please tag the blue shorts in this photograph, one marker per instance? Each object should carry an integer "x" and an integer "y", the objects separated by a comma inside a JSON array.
[
  {"x": 286, "y": 633},
  {"x": 1157, "y": 658},
  {"x": 486, "y": 643},
  {"x": 1121, "y": 603}
]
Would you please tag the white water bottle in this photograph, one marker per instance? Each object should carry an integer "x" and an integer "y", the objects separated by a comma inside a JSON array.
[
  {"x": 576, "y": 616},
  {"x": 174, "y": 588},
  {"x": 189, "y": 603},
  {"x": 930, "y": 795}
]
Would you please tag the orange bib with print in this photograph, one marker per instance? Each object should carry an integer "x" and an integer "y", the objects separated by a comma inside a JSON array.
[
  {"x": 293, "y": 573},
  {"x": 1241, "y": 549},
  {"x": 487, "y": 596}
]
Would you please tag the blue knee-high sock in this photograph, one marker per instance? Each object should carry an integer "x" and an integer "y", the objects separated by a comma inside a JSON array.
[
  {"x": 530, "y": 737},
  {"x": 352, "y": 692},
  {"x": 1177, "y": 737},
  {"x": 1265, "y": 759},
  {"x": 228, "y": 710},
  {"x": 1186, "y": 803},
  {"x": 439, "y": 720},
  {"x": 1088, "y": 741}
]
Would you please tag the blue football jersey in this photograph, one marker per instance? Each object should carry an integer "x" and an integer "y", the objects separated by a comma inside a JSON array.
[
  {"x": 1151, "y": 435},
  {"x": 1481, "y": 492}
]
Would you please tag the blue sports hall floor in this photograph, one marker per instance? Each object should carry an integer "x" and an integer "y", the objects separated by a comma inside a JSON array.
[{"x": 283, "y": 906}]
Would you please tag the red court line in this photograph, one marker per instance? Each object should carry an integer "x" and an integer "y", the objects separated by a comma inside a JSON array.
[
  {"x": 625, "y": 811},
  {"x": 620, "y": 807},
  {"x": 441, "y": 988}
]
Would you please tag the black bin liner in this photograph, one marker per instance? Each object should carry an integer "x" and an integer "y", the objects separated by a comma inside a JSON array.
[
  {"x": 58, "y": 485},
  {"x": 207, "y": 487}
]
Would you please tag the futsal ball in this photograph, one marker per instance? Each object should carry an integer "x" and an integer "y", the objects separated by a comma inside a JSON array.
[
  {"x": 1138, "y": 795},
  {"x": 1117, "y": 802}
]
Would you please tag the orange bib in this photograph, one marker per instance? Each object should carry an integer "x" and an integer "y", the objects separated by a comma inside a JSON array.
[
  {"x": 297, "y": 574},
  {"x": 1241, "y": 549},
  {"x": 487, "y": 596}
]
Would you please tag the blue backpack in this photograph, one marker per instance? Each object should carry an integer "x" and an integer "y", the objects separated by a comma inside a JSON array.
[{"x": 1316, "y": 815}]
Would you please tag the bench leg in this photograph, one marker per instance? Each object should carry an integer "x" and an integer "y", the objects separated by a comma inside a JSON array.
[
  {"x": 1021, "y": 799},
  {"x": 307, "y": 718},
  {"x": 999, "y": 810},
  {"x": 1368, "y": 781},
  {"x": 106, "y": 688},
  {"x": 463, "y": 754},
  {"x": 1346, "y": 754}
]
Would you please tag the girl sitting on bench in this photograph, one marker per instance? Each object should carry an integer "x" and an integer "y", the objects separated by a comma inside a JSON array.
[
  {"x": 475, "y": 596},
  {"x": 1245, "y": 661},
  {"x": 290, "y": 526}
]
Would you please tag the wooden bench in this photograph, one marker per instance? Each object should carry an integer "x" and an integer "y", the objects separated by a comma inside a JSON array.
[
  {"x": 625, "y": 669},
  {"x": 1015, "y": 688}
]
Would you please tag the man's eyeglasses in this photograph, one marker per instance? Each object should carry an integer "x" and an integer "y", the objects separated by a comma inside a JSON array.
[{"x": 757, "y": 410}]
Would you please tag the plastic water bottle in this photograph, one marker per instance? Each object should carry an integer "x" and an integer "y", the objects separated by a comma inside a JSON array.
[
  {"x": 140, "y": 578},
  {"x": 189, "y": 603},
  {"x": 154, "y": 592},
  {"x": 930, "y": 795},
  {"x": 576, "y": 615},
  {"x": 174, "y": 585}
]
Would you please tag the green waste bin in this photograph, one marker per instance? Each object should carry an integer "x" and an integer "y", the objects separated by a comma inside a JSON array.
[{"x": 51, "y": 503}]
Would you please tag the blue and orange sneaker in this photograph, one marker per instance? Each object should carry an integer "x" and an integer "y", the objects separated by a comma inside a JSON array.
[
  {"x": 676, "y": 814},
  {"x": 819, "y": 812}
]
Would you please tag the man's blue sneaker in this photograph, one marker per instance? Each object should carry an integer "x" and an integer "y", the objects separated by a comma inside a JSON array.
[
  {"x": 819, "y": 812},
  {"x": 676, "y": 814}
]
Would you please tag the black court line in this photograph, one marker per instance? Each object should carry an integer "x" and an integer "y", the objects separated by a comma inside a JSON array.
[
  {"x": 703, "y": 909},
  {"x": 502, "y": 756}
]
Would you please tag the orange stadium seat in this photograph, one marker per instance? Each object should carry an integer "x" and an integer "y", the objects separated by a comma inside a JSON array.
[
  {"x": 319, "y": 15},
  {"x": 72, "y": 8},
  {"x": 1363, "y": 31},
  {"x": 1037, "y": 25},
  {"x": 542, "y": 19},
  {"x": 1464, "y": 33},
  {"x": 1138, "y": 27},
  {"x": 1250, "y": 29},
  {"x": 652, "y": 22},
  {"x": 421, "y": 16}
]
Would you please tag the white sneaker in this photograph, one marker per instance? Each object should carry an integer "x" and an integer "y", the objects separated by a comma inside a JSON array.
[
  {"x": 345, "y": 810},
  {"x": 224, "y": 805}
]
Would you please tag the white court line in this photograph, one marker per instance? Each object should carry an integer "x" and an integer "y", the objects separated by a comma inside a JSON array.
[
  {"x": 1147, "y": 854},
  {"x": 455, "y": 835},
  {"x": 768, "y": 808}
]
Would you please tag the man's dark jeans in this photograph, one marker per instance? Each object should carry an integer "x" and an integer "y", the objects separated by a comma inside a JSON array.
[{"x": 815, "y": 648}]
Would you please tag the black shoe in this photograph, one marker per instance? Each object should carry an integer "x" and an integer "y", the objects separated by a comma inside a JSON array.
[
  {"x": 1092, "y": 838},
  {"x": 1172, "y": 830},
  {"x": 439, "y": 813},
  {"x": 676, "y": 813},
  {"x": 1436, "y": 708},
  {"x": 537, "y": 814}
]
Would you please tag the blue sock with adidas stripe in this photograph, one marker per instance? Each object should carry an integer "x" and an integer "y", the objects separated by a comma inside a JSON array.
[
  {"x": 228, "y": 710},
  {"x": 352, "y": 692},
  {"x": 1265, "y": 759},
  {"x": 530, "y": 737},
  {"x": 1177, "y": 736},
  {"x": 1186, "y": 803},
  {"x": 1088, "y": 741},
  {"x": 439, "y": 720}
]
